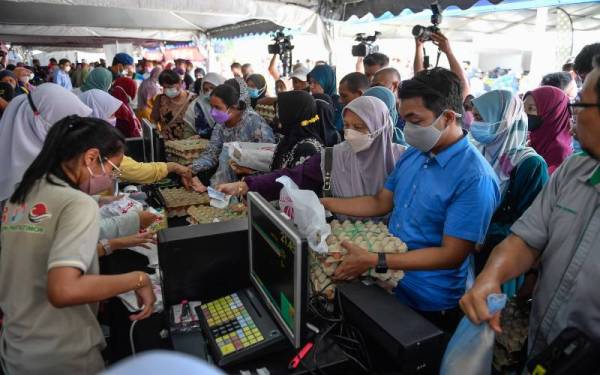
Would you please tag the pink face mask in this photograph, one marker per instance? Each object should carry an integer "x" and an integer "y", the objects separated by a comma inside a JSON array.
[{"x": 97, "y": 184}]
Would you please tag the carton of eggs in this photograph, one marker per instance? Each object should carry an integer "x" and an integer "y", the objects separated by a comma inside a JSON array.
[{"x": 373, "y": 237}]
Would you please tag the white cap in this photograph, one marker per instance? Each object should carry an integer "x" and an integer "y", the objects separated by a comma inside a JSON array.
[{"x": 300, "y": 73}]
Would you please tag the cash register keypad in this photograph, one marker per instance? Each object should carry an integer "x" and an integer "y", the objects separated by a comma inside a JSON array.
[{"x": 230, "y": 324}]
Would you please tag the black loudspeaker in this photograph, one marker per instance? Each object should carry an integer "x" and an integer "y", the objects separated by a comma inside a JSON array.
[
  {"x": 402, "y": 339},
  {"x": 203, "y": 262}
]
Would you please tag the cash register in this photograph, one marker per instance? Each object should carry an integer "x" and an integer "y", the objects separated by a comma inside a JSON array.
[{"x": 251, "y": 321}]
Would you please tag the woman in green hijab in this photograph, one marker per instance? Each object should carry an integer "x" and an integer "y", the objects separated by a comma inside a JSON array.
[{"x": 100, "y": 78}]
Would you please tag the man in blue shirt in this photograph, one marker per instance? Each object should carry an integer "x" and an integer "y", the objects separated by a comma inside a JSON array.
[
  {"x": 61, "y": 75},
  {"x": 441, "y": 196}
]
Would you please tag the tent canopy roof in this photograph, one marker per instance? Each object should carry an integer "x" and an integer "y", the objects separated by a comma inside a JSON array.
[{"x": 93, "y": 22}]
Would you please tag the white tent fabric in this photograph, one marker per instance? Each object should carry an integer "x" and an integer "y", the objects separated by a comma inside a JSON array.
[{"x": 172, "y": 20}]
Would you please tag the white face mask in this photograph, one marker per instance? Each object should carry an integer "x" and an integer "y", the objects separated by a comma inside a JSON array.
[
  {"x": 423, "y": 138},
  {"x": 31, "y": 76},
  {"x": 172, "y": 92},
  {"x": 359, "y": 141},
  {"x": 67, "y": 69}
]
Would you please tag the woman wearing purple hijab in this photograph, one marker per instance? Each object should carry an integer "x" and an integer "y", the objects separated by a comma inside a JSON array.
[
  {"x": 360, "y": 165},
  {"x": 549, "y": 123},
  {"x": 148, "y": 90}
]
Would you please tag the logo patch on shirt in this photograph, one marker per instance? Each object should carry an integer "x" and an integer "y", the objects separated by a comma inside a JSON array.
[{"x": 39, "y": 213}]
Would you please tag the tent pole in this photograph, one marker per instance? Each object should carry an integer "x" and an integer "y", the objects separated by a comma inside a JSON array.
[{"x": 208, "y": 52}]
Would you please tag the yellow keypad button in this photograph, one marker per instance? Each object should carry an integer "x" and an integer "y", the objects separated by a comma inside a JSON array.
[{"x": 227, "y": 349}]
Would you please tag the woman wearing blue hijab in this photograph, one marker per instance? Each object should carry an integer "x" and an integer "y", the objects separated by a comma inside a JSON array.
[
  {"x": 499, "y": 132},
  {"x": 387, "y": 96},
  {"x": 322, "y": 81}
]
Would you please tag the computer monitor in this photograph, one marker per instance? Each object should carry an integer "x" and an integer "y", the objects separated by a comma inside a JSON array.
[
  {"x": 148, "y": 140},
  {"x": 279, "y": 266}
]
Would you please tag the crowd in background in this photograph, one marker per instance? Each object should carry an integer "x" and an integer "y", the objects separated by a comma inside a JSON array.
[{"x": 476, "y": 177}]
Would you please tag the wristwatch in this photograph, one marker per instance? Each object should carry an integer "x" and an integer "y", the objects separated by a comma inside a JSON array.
[
  {"x": 106, "y": 246},
  {"x": 382, "y": 266}
]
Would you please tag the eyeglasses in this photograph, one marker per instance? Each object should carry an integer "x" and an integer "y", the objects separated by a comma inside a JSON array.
[
  {"x": 578, "y": 106},
  {"x": 116, "y": 171}
]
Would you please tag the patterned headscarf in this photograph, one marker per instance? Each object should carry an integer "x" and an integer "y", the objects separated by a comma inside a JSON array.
[
  {"x": 242, "y": 88},
  {"x": 510, "y": 146}
]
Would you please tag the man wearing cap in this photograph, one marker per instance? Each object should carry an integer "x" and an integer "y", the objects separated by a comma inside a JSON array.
[
  {"x": 299, "y": 78},
  {"x": 122, "y": 62}
]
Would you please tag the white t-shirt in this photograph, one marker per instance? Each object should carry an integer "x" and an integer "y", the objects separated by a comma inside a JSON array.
[{"x": 57, "y": 226}]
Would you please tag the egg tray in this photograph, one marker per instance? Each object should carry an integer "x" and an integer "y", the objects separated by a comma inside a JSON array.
[
  {"x": 209, "y": 214},
  {"x": 371, "y": 236},
  {"x": 183, "y": 161},
  {"x": 178, "y": 200},
  {"x": 183, "y": 146}
]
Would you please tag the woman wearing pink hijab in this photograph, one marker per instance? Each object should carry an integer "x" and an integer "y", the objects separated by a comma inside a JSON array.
[{"x": 549, "y": 123}]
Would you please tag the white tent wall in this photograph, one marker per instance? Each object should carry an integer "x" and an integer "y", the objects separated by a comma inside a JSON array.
[{"x": 73, "y": 56}]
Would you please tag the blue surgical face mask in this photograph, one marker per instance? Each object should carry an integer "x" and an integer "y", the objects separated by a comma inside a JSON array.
[
  {"x": 484, "y": 132},
  {"x": 253, "y": 92}
]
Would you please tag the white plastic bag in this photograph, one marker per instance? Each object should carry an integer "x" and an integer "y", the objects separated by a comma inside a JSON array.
[
  {"x": 120, "y": 207},
  {"x": 257, "y": 156},
  {"x": 307, "y": 212},
  {"x": 471, "y": 349}
]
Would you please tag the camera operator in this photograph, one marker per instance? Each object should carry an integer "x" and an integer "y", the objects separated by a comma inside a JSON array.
[
  {"x": 370, "y": 64},
  {"x": 442, "y": 42}
]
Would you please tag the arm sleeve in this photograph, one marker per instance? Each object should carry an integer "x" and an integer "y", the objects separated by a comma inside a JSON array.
[
  {"x": 532, "y": 175},
  {"x": 267, "y": 135},
  {"x": 210, "y": 157},
  {"x": 119, "y": 226},
  {"x": 307, "y": 176},
  {"x": 142, "y": 173},
  {"x": 390, "y": 183},
  {"x": 469, "y": 214},
  {"x": 533, "y": 226},
  {"x": 76, "y": 236}
]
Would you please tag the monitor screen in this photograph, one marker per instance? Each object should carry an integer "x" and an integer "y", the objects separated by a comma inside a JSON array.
[{"x": 277, "y": 265}]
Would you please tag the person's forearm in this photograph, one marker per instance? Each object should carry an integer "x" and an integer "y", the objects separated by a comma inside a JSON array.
[
  {"x": 513, "y": 257},
  {"x": 418, "y": 63},
  {"x": 360, "y": 68},
  {"x": 457, "y": 69},
  {"x": 432, "y": 258},
  {"x": 273, "y": 68},
  {"x": 3, "y": 104},
  {"x": 91, "y": 288},
  {"x": 366, "y": 206}
]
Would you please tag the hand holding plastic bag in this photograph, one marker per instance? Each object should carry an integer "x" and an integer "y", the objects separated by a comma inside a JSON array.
[
  {"x": 471, "y": 348},
  {"x": 120, "y": 207},
  {"x": 307, "y": 212}
]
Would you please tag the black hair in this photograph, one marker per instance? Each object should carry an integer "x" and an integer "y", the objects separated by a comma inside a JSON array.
[
  {"x": 568, "y": 67},
  {"x": 376, "y": 59},
  {"x": 52, "y": 59},
  {"x": 168, "y": 77},
  {"x": 559, "y": 80},
  {"x": 583, "y": 61},
  {"x": 66, "y": 140},
  {"x": 11, "y": 67},
  {"x": 356, "y": 82},
  {"x": 236, "y": 65},
  {"x": 439, "y": 88},
  {"x": 229, "y": 95},
  {"x": 596, "y": 65},
  {"x": 63, "y": 61},
  {"x": 246, "y": 65},
  {"x": 199, "y": 70}
]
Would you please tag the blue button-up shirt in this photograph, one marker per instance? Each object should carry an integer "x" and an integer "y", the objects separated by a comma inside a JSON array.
[
  {"x": 62, "y": 79},
  {"x": 453, "y": 193}
]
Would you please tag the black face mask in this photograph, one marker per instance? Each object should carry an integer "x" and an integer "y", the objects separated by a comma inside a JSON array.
[{"x": 534, "y": 122}]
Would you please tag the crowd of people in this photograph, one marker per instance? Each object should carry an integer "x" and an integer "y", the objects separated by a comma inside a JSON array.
[{"x": 488, "y": 185}]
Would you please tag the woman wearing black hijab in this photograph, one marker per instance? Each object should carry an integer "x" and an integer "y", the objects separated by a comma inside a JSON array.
[
  {"x": 326, "y": 111},
  {"x": 300, "y": 125}
]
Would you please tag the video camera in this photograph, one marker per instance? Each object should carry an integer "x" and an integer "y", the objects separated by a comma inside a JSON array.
[
  {"x": 283, "y": 43},
  {"x": 365, "y": 44},
  {"x": 424, "y": 33},
  {"x": 282, "y": 47}
]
